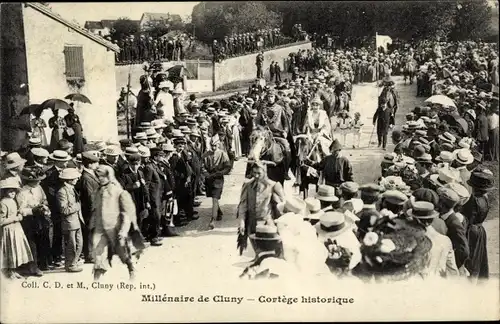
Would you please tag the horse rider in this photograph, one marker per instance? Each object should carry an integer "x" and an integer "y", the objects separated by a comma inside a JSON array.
[{"x": 274, "y": 117}]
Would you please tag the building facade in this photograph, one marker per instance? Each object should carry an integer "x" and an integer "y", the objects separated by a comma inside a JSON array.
[{"x": 55, "y": 57}]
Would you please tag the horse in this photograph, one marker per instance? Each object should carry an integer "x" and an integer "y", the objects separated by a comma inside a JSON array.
[
  {"x": 263, "y": 146},
  {"x": 304, "y": 174},
  {"x": 409, "y": 70}
]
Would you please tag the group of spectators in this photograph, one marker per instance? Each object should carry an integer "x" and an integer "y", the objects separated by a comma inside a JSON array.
[
  {"x": 248, "y": 43},
  {"x": 146, "y": 48}
]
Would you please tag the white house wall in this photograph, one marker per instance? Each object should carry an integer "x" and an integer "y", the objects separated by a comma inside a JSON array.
[{"x": 45, "y": 41}]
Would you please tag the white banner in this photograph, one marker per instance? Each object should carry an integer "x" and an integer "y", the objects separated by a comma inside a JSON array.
[{"x": 382, "y": 40}]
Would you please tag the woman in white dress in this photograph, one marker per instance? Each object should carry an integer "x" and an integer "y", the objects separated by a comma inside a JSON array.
[
  {"x": 317, "y": 126},
  {"x": 234, "y": 125}
]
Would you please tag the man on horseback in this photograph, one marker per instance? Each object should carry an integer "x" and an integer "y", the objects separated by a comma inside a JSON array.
[{"x": 275, "y": 118}]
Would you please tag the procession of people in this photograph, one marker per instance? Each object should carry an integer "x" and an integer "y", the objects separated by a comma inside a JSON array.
[{"x": 64, "y": 203}]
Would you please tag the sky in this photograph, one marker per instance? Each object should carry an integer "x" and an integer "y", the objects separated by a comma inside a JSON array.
[{"x": 84, "y": 11}]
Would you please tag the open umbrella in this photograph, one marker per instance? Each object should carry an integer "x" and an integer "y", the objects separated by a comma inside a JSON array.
[
  {"x": 441, "y": 100},
  {"x": 78, "y": 97},
  {"x": 54, "y": 104},
  {"x": 31, "y": 109}
]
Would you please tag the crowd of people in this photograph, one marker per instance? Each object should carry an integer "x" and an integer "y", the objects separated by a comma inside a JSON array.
[
  {"x": 146, "y": 48},
  {"x": 248, "y": 43},
  {"x": 423, "y": 216}
]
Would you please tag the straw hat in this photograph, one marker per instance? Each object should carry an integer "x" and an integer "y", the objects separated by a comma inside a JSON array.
[
  {"x": 332, "y": 224},
  {"x": 69, "y": 174},
  {"x": 295, "y": 205},
  {"x": 445, "y": 156},
  {"x": 158, "y": 123},
  {"x": 314, "y": 208},
  {"x": 326, "y": 193},
  {"x": 9, "y": 183},
  {"x": 443, "y": 177},
  {"x": 151, "y": 133},
  {"x": 38, "y": 151},
  {"x": 112, "y": 150},
  {"x": 141, "y": 136},
  {"x": 265, "y": 233},
  {"x": 59, "y": 155},
  {"x": 13, "y": 160},
  {"x": 464, "y": 156}
]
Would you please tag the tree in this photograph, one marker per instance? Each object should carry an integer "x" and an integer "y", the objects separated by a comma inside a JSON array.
[
  {"x": 124, "y": 27},
  {"x": 214, "y": 20},
  {"x": 473, "y": 20}
]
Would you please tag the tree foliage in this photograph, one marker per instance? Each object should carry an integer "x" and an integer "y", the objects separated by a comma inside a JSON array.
[
  {"x": 123, "y": 27},
  {"x": 214, "y": 20},
  {"x": 408, "y": 19}
]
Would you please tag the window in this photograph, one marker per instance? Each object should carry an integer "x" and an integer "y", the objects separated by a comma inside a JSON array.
[{"x": 73, "y": 57}]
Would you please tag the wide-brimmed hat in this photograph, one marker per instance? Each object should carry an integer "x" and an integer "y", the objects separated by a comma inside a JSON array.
[
  {"x": 314, "y": 208},
  {"x": 9, "y": 183},
  {"x": 59, "y": 155},
  {"x": 144, "y": 125},
  {"x": 69, "y": 174},
  {"x": 395, "y": 197},
  {"x": 151, "y": 133},
  {"x": 463, "y": 156},
  {"x": 481, "y": 179},
  {"x": 40, "y": 152},
  {"x": 265, "y": 233},
  {"x": 168, "y": 147},
  {"x": 158, "y": 123},
  {"x": 141, "y": 136},
  {"x": 13, "y": 160},
  {"x": 443, "y": 177},
  {"x": 144, "y": 151},
  {"x": 326, "y": 193},
  {"x": 447, "y": 137},
  {"x": 295, "y": 205},
  {"x": 32, "y": 174},
  {"x": 191, "y": 121},
  {"x": 177, "y": 133},
  {"x": 112, "y": 150},
  {"x": 131, "y": 150},
  {"x": 332, "y": 224},
  {"x": 445, "y": 156},
  {"x": 35, "y": 141},
  {"x": 349, "y": 187}
]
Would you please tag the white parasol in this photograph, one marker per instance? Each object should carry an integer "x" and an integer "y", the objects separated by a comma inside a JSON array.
[{"x": 441, "y": 100}]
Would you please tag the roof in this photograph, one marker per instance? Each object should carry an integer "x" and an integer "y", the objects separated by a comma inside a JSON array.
[
  {"x": 93, "y": 25},
  {"x": 48, "y": 12},
  {"x": 152, "y": 16}
]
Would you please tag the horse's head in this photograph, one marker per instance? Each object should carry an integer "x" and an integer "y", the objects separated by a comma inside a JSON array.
[{"x": 260, "y": 141}]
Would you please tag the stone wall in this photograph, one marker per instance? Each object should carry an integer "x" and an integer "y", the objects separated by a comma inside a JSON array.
[{"x": 243, "y": 67}]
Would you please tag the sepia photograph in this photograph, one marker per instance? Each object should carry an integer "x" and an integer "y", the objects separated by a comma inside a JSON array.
[{"x": 249, "y": 161}]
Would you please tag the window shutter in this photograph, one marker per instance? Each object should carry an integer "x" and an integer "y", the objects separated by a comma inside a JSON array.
[{"x": 73, "y": 56}]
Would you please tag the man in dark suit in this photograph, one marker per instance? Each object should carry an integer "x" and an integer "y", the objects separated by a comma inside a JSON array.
[
  {"x": 88, "y": 185},
  {"x": 183, "y": 175},
  {"x": 448, "y": 199},
  {"x": 382, "y": 118},
  {"x": 155, "y": 189},
  {"x": 133, "y": 180},
  {"x": 51, "y": 184}
]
